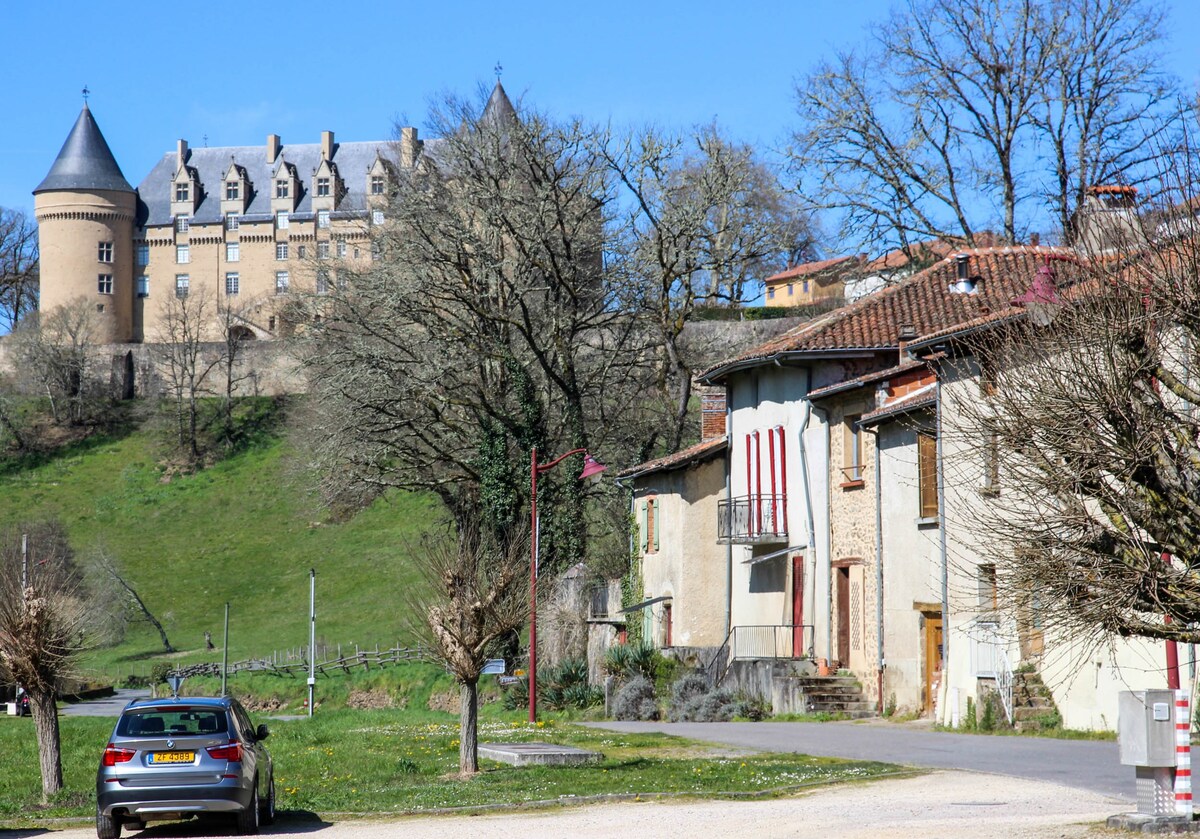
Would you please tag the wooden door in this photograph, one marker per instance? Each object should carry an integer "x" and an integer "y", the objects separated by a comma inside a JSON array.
[
  {"x": 1030, "y": 629},
  {"x": 798, "y": 607},
  {"x": 933, "y": 658},
  {"x": 843, "y": 615}
]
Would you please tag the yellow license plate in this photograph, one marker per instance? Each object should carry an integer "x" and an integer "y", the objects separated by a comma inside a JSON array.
[{"x": 174, "y": 757}]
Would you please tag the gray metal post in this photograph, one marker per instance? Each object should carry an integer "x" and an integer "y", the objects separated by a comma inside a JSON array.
[
  {"x": 312, "y": 636},
  {"x": 225, "y": 652},
  {"x": 24, "y": 563}
]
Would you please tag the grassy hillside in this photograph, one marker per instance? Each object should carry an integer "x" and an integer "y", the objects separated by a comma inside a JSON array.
[{"x": 237, "y": 532}]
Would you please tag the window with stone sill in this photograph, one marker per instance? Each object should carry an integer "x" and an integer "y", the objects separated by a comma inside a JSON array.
[
  {"x": 143, "y": 286},
  {"x": 182, "y": 191},
  {"x": 232, "y": 221},
  {"x": 232, "y": 190},
  {"x": 182, "y": 224},
  {"x": 233, "y": 251},
  {"x": 323, "y": 219},
  {"x": 322, "y": 250},
  {"x": 182, "y": 284},
  {"x": 377, "y": 185},
  {"x": 282, "y": 189},
  {"x": 104, "y": 283},
  {"x": 183, "y": 254},
  {"x": 142, "y": 254},
  {"x": 281, "y": 250},
  {"x": 322, "y": 187},
  {"x": 105, "y": 252}
]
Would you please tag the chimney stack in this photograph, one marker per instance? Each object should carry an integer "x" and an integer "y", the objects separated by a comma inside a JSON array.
[
  {"x": 408, "y": 147},
  {"x": 327, "y": 145},
  {"x": 712, "y": 414},
  {"x": 273, "y": 147},
  {"x": 181, "y": 154}
]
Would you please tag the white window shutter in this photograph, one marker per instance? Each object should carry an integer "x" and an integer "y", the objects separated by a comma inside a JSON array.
[{"x": 643, "y": 529}]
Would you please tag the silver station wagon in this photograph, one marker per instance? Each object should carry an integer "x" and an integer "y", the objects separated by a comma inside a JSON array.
[{"x": 171, "y": 759}]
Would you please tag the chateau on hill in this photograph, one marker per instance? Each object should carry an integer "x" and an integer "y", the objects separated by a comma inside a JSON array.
[{"x": 243, "y": 225}]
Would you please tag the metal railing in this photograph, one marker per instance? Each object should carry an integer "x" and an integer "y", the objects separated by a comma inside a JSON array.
[
  {"x": 760, "y": 643},
  {"x": 752, "y": 519},
  {"x": 989, "y": 660}
]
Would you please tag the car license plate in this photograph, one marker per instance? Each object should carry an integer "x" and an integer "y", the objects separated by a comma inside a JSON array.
[{"x": 173, "y": 757}]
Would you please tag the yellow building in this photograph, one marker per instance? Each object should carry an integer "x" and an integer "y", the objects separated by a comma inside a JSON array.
[{"x": 243, "y": 226}]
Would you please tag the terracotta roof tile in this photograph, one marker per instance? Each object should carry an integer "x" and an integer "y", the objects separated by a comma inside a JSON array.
[
  {"x": 807, "y": 269},
  {"x": 923, "y": 302},
  {"x": 681, "y": 458},
  {"x": 866, "y": 378}
]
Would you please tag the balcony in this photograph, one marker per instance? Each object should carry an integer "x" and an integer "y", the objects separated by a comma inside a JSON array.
[{"x": 753, "y": 520}]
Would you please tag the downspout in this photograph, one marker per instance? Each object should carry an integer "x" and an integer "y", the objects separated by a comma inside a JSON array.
[
  {"x": 941, "y": 485},
  {"x": 826, "y": 540},
  {"x": 729, "y": 500},
  {"x": 880, "y": 660},
  {"x": 808, "y": 508}
]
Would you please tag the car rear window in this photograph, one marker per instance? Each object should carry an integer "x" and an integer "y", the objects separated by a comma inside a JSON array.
[{"x": 158, "y": 722}]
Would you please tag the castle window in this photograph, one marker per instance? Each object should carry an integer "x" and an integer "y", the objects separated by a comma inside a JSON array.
[
  {"x": 105, "y": 252},
  {"x": 322, "y": 282},
  {"x": 341, "y": 248},
  {"x": 281, "y": 189},
  {"x": 143, "y": 254},
  {"x": 281, "y": 250},
  {"x": 182, "y": 190},
  {"x": 104, "y": 284},
  {"x": 301, "y": 251},
  {"x": 232, "y": 221},
  {"x": 377, "y": 184},
  {"x": 377, "y": 216},
  {"x": 182, "y": 283},
  {"x": 281, "y": 220},
  {"x": 322, "y": 187},
  {"x": 357, "y": 252},
  {"x": 183, "y": 254},
  {"x": 322, "y": 219},
  {"x": 233, "y": 251},
  {"x": 182, "y": 223},
  {"x": 281, "y": 282},
  {"x": 143, "y": 286},
  {"x": 232, "y": 190},
  {"x": 322, "y": 250},
  {"x": 231, "y": 283}
]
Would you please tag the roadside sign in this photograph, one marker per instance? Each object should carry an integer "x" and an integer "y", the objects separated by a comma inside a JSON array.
[
  {"x": 492, "y": 667},
  {"x": 175, "y": 680}
]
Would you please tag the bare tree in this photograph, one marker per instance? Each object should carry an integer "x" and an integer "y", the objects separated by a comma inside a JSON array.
[
  {"x": 106, "y": 565},
  {"x": 45, "y": 621},
  {"x": 1087, "y": 429},
  {"x": 186, "y": 363},
  {"x": 939, "y": 127},
  {"x": 475, "y": 596},
  {"x": 18, "y": 268},
  {"x": 236, "y": 337},
  {"x": 485, "y": 325},
  {"x": 707, "y": 222},
  {"x": 55, "y": 351}
]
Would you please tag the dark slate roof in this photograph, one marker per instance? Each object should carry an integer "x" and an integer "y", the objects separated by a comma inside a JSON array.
[
  {"x": 499, "y": 106},
  {"x": 923, "y": 302},
  {"x": 85, "y": 161},
  {"x": 353, "y": 160}
]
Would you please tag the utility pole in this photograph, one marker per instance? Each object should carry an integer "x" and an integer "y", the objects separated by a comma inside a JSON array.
[
  {"x": 24, "y": 562},
  {"x": 312, "y": 637},
  {"x": 225, "y": 653}
]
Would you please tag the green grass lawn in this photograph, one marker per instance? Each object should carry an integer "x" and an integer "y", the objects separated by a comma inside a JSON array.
[
  {"x": 242, "y": 531},
  {"x": 397, "y": 761}
]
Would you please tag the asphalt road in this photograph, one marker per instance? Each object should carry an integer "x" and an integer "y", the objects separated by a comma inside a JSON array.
[
  {"x": 1084, "y": 764},
  {"x": 109, "y": 706}
]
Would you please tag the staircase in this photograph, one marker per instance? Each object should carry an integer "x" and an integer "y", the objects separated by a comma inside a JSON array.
[
  {"x": 810, "y": 694},
  {"x": 1033, "y": 705}
]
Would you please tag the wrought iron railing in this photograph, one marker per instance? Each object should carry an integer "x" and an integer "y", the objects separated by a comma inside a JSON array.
[{"x": 752, "y": 518}]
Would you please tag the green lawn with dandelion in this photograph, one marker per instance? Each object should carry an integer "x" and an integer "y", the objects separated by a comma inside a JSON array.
[{"x": 376, "y": 762}]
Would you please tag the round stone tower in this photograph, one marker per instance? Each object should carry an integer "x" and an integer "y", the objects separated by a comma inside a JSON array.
[{"x": 86, "y": 213}]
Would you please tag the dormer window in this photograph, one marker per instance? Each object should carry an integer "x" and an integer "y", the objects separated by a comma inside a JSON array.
[
  {"x": 182, "y": 191},
  {"x": 322, "y": 187},
  {"x": 377, "y": 184},
  {"x": 232, "y": 190},
  {"x": 281, "y": 188}
]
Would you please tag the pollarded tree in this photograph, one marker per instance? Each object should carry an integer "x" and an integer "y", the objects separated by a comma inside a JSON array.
[{"x": 46, "y": 619}]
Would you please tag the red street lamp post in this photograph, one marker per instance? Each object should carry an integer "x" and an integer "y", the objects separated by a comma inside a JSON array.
[{"x": 591, "y": 469}]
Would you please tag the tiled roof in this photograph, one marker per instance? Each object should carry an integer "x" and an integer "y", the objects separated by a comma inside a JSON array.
[
  {"x": 807, "y": 269},
  {"x": 866, "y": 379},
  {"x": 917, "y": 400},
  {"x": 923, "y": 302},
  {"x": 678, "y": 460}
]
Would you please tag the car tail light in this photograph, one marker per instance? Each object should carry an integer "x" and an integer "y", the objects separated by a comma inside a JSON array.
[
  {"x": 114, "y": 755},
  {"x": 232, "y": 752}
]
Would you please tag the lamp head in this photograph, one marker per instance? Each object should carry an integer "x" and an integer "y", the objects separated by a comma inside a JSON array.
[{"x": 592, "y": 469}]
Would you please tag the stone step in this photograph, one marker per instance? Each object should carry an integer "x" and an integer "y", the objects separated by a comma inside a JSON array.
[{"x": 830, "y": 690}]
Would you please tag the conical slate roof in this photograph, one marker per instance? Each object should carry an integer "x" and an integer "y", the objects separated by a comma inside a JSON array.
[
  {"x": 85, "y": 161},
  {"x": 499, "y": 106}
]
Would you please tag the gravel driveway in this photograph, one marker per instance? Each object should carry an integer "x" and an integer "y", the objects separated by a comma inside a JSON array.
[{"x": 940, "y": 805}]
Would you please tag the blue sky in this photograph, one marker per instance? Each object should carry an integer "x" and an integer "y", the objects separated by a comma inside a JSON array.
[{"x": 236, "y": 71}]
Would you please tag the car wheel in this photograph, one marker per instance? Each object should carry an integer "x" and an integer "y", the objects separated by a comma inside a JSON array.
[
  {"x": 247, "y": 820},
  {"x": 106, "y": 826},
  {"x": 266, "y": 814}
]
